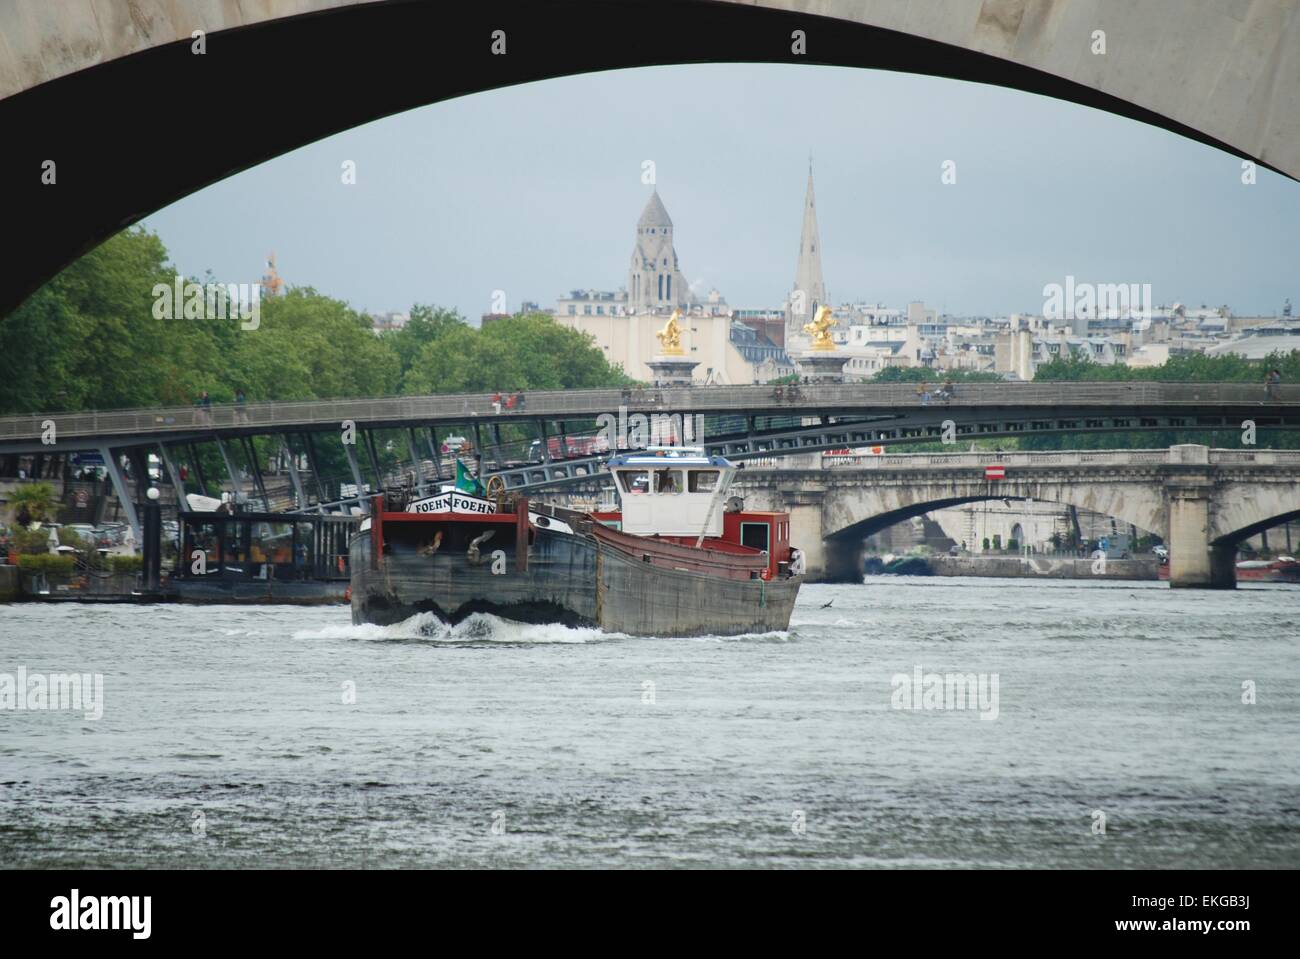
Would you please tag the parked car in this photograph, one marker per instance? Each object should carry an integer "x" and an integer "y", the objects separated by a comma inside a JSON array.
[
  {"x": 110, "y": 534},
  {"x": 83, "y": 531}
]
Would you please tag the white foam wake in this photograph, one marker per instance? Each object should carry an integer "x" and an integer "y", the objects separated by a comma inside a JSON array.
[{"x": 478, "y": 628}]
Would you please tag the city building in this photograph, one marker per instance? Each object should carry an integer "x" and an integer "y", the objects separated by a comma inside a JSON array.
[
  {"x": 383, "y": 322},
  {"x": 654, "y": 280},
  {"x": 623, "y": 323}
]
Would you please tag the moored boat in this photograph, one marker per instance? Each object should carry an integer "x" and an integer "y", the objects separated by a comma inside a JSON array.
[
  {"x": 1284, "y": 569},
  {"x": 679, "y": 558}
]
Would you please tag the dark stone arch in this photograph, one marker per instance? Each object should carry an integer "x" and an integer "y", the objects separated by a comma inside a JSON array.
[{"x": 138, "y": 132}]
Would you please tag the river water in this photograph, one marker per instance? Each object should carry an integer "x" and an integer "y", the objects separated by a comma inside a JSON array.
[{"x": 228, "y": 738}]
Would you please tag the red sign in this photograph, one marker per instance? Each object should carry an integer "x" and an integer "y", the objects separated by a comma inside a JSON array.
[{"x": 995, "y": 472}]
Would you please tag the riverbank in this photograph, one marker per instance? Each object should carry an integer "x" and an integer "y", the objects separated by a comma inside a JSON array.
[{"x": 1044, "y": 567}]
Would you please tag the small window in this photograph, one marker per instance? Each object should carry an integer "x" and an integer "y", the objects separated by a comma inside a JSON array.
[
  {"x": 668, "y": 481},
  {"x": 754, "y": 535},
  {"x": 634, "y": 481},
  {"x": 703, "y": 481}
]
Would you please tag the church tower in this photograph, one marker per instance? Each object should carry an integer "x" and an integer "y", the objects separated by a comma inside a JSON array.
[
  {"x": 807, "y": 271},
  {"x": 654, "y": 280}
]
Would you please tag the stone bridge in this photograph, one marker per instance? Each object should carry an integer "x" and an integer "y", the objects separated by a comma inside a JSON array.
[{"x": 1201, "y": 501}]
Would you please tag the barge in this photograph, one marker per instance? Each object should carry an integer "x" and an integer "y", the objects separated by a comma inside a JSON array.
[{"x": 679, "y": 558}]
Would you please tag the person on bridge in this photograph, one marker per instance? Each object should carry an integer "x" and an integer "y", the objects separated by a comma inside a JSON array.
[
  {"x": 923, "y": 391},
  {"x": 496, "y": 402},
  {"x": 1272, "y": 382}
]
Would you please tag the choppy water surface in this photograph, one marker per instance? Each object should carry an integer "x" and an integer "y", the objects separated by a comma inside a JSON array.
[{"x": 226, "y": 741}]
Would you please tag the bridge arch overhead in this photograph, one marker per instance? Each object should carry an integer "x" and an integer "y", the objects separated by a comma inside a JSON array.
[{"x": 1223, "y": 72}]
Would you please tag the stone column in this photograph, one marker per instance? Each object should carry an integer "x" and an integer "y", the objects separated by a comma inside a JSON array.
[
  {"x": 821, "y": 367},
  {"x": 1189, "y": 527},
  {"x": 1223, "y": 565},
  {"x": 672, "y": 370},
  {"x": 1193, "y": 562},
  {"x": 843, "y": 560}
]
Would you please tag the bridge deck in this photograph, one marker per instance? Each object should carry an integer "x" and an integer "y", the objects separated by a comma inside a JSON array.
[{"x": 822, "y": 400}]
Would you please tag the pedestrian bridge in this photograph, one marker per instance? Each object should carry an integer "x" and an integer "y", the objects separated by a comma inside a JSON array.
[
  {"x": 824, "y": 416},
  {"x": 1201, "y": 501}
]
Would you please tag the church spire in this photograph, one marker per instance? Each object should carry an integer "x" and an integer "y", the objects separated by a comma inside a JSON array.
[{"x": 808, "y": 270}]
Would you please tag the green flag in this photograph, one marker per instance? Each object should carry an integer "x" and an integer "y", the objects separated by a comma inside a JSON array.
[{"x": 465, "y": 482}]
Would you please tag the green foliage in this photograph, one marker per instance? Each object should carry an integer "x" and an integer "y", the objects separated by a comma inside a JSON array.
[
  {"x": 923, "y": 374},
  {"x": 33, "y": 541},
  {"x": 309, "y": 346},
  {"x": 88, "y": 339},
  {"x": 1189, "y": 368},
  {"x": 126, "y": 564},
  {"x": 426, "y": 324},
  {"x": 37, "y": 499},
  {"x": 47, "y": 563},
  {"x": 75, "y": 342},
  {"x": 1185, "y": 368},
  {"x": 516, "y": 353}
]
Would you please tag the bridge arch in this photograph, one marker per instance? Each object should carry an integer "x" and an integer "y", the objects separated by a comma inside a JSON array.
[
  {"x": 65, "y": 60},
  {"x": 858, "y": 512},
  {"x": 843, "y": 546}
]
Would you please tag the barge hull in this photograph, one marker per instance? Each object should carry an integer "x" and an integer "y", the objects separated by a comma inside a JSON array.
[{"x": 567, "y": 578}]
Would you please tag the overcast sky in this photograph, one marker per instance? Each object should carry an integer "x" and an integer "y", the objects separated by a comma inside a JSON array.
[{"x": 536, "y": 190}]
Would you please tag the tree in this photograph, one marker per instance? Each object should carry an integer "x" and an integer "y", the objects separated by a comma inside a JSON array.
[
  {"x": 425, "y": 325},
  {"x": 36, "y": 501},
  {"x": 923, "y": 374},
  {"x": 87, "y": 338},
  {"x": 516, "y": 353}
]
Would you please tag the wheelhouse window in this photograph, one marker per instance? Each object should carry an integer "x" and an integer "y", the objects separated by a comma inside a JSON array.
[
  {"x": 634, "y": 481},
  {"x": 703, "y": 481},
  {"x": 668, "y": 481}
]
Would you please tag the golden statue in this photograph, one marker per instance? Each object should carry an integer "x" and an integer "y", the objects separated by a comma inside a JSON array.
[
  {"x": 670, "y": 337},
  {"x": 820, "y": 329}
]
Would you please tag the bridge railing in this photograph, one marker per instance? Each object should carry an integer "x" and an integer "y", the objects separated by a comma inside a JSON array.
[
  {"x": 1255, "y": 457},
  {"x": 980, "y": 458},
  {"x": 842, "y": 399}
]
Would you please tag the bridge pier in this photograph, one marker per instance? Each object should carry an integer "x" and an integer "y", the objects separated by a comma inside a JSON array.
[
  {"x": 1223, "y": 565},
  {"x": 1195, "y": 562},
  {"x": 843, "y": 560}
]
